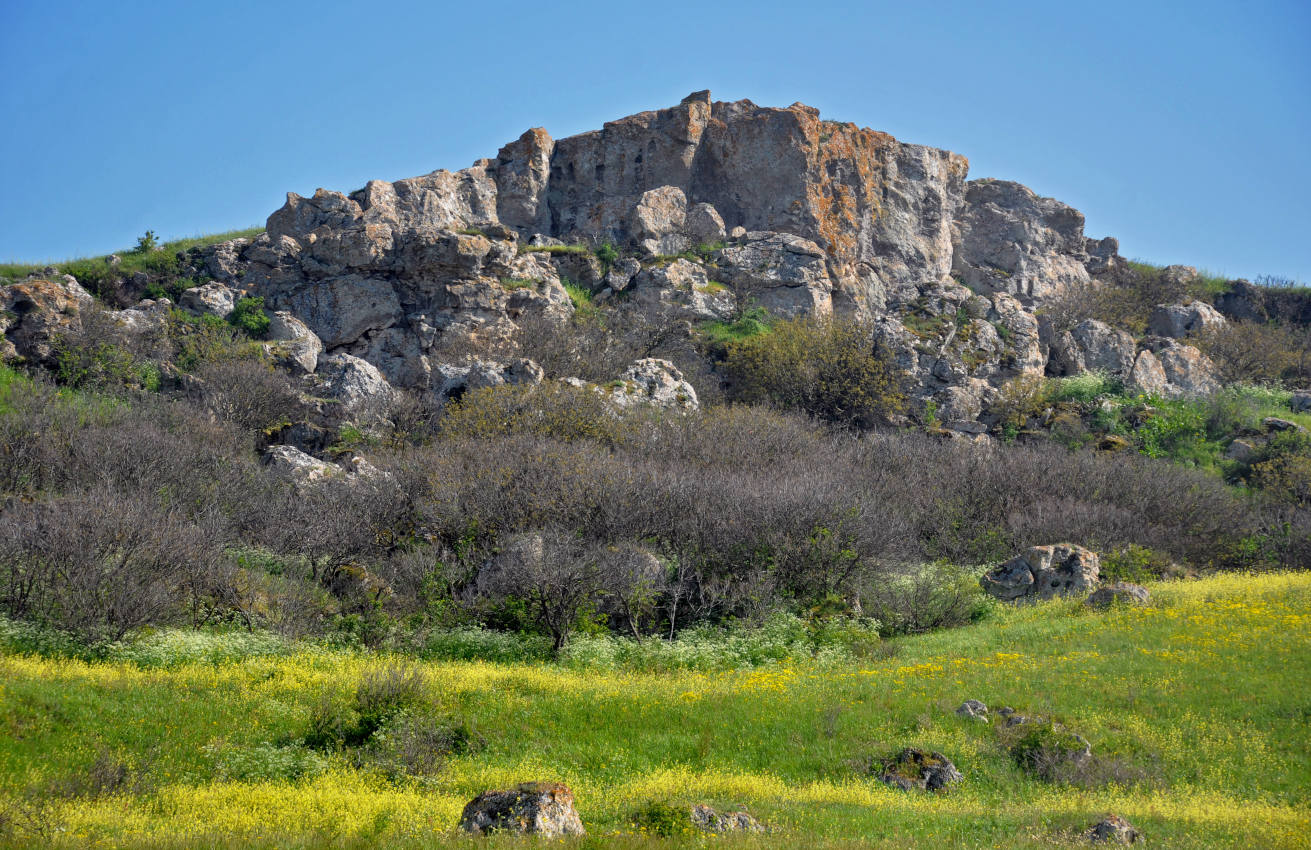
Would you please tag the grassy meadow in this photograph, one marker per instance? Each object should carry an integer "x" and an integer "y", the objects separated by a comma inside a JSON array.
[{"x": 1197, "y": 708}]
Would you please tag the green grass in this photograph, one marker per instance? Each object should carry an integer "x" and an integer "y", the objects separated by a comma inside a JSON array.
[
  {"x": 751, "y": 323},
  {"x": 93, "y": 272},
  {"x": 1197, "y": 704},
  {"x": 554, "y": 249}
]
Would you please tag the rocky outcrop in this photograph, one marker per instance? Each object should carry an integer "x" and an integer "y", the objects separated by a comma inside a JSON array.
[
  {"x": 1043, "y": 572},
  {"x": 35, "y": 313},
  {"x": 769, "y": 207},
  {"x": 973, "y": 709},
  {"x": 297, "y": 466},
  {"x": 1011, "y": 240},
  {"x": 533, "y": 808},
  {"x": 353, "y": 382}
]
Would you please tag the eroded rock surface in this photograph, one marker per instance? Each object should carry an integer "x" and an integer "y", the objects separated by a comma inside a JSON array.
[{"x": 532, "y": 808}]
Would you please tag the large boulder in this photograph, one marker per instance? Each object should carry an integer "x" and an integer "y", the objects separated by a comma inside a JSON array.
[
  {"x": 915, "y": 768},
  {"x": 297, "y": 466},
  {"x": 215, "y": 299},
  {"x": 1188, "y": 372},
  {"x": 545, "y": 809},
  {"x": 353, "y": 382},
  {"x": 35, "y": 313},
  {"x": 658, "y": 220},
  {"x": 453, "y": 380},
  {"x": 1093, "y": 346},
  {"x": 1043, "y": 572},
  {"x": 292, "y": 344},
  {"x": 656, "y": 382},
  {"x": 1183, "y": 320}
]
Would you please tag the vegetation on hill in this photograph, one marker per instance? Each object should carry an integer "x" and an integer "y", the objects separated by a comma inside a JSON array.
[{"x": 192, "y": 739}]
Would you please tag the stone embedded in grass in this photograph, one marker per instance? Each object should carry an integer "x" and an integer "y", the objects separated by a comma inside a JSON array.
[
  {"x": 1049, "y": 751},
  {"x": 1114, "y": 829},
  {"x": 915, "y": 768},
  {"x": 973, "y": 708},
  {"x": 1129, "y": 594},
  {"x": 532, "y": 808},
  {"x": 709, "y": 820}
]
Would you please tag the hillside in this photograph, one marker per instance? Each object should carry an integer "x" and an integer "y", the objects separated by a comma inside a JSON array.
[
  {"x": 727, "y": 424},
  {"x": 166, "y": 749}
]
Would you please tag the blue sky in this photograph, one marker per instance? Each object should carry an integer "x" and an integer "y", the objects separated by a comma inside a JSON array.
[{"x": 1183, "y": 129}]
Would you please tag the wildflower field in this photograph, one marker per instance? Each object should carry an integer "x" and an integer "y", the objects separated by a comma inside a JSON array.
[{"x": 1198, "y": 708}]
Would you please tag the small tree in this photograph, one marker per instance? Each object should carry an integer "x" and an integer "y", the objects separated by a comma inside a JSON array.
[
  {"x": 552, "y": 573},
  {"x": 147, "y": 243},
  {"x": 828, "y": 368}
]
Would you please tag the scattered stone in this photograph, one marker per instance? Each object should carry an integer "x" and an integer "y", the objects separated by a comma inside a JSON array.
[
  {"x": 707, "y": 819},
  {"x": 974, "y": 709},
  {"x": 1115, "y": 830},
  {"x": 1043, "y": 572},
  {"x": 533, "y": 808},
  {"x": 1120, "y": 592},
  {"x": 292, "y": 344},
  {"x": 1300, "y": 402},
  {"x": 915, "y": 768}
]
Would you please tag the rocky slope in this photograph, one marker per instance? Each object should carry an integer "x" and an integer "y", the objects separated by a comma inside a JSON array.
[{"x": 762, "y": 206}]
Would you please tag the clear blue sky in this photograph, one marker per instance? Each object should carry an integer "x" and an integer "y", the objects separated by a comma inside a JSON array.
[{"x": 1183, "y": 129}]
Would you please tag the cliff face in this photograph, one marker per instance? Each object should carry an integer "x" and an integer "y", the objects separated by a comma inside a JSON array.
[{"x": 765, "y": 206}]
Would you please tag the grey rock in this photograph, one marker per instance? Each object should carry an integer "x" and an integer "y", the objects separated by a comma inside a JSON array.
[
  {"x": 1148, "y": 375},
  {"x": 1274, "y": 423},
  {"x": 973, "y": 709},
  {"x": 1183, "y": 320},
  {"x": 354, "y": 382},
  {"x": 1300, "y": 402},
  {"x": 35, "y": 313},
  {"x": 1042, "y": 572},
  {"x": 915, "y": 768},
  {"x": 1011, "y": 240},
  {"x": 295, "y": 465},
  {"x": 1113, "y": 829},
  {"x": 293, "y": 343},
  {"x": 533, "y": 808},
  {"x": 213, "y": 298},
  {"x": 783, "y": 273},
  {"x": 452, "y": 380},
  {"x": 1241, "y": 450},
  {"x": 704, "y": 225},
  {"x": 656, "y": 382},
  {"x": 705, "y": 818},
  {"x": 1119, "y": 592}
]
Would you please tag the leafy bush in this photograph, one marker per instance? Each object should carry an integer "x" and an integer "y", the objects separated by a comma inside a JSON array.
[
  {"x": 660, "y": 818},
  {"x": 146, "y": 243},
  {"x": 556, "y": 410},
  {"x": 921, "y": 599},
  {"x": 176, "y": 647},
  {"x": 828, "y": 368},
  {"x": 266, "y": 762},
  {"x": 248, "y": 315},
  {"x": 475, "y": 643}
]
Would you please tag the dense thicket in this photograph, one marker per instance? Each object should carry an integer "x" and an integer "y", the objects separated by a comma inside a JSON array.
[{"x": 538, "y": 509}]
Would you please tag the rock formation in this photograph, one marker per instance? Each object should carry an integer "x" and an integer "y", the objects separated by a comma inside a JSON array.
[{"x": 774, "y": 207}]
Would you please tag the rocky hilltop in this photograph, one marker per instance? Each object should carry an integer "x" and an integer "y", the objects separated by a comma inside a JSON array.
[{"x": 706, "y": 208}]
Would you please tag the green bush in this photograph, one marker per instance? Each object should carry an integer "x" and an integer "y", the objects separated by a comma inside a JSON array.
[
  {"x": 548, "y": 410},
  {"x": 249, "y": 316},
  {"x": 828, "y": 368}
]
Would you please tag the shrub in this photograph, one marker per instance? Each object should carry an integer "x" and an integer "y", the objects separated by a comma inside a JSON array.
[
  {"x": 828, "y": 368},
  {"x": 553, "y": 409},
  {"x": 607, "y": 253},
  {"x": 1257, "y": 352},
  {"x": 660, "y": 818},
  {"x": 266, "y": 762},
  {"x": 249, "y": 316},
  {"x": 921, "y": 599},
  {"x": 147, "y": 243}
]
